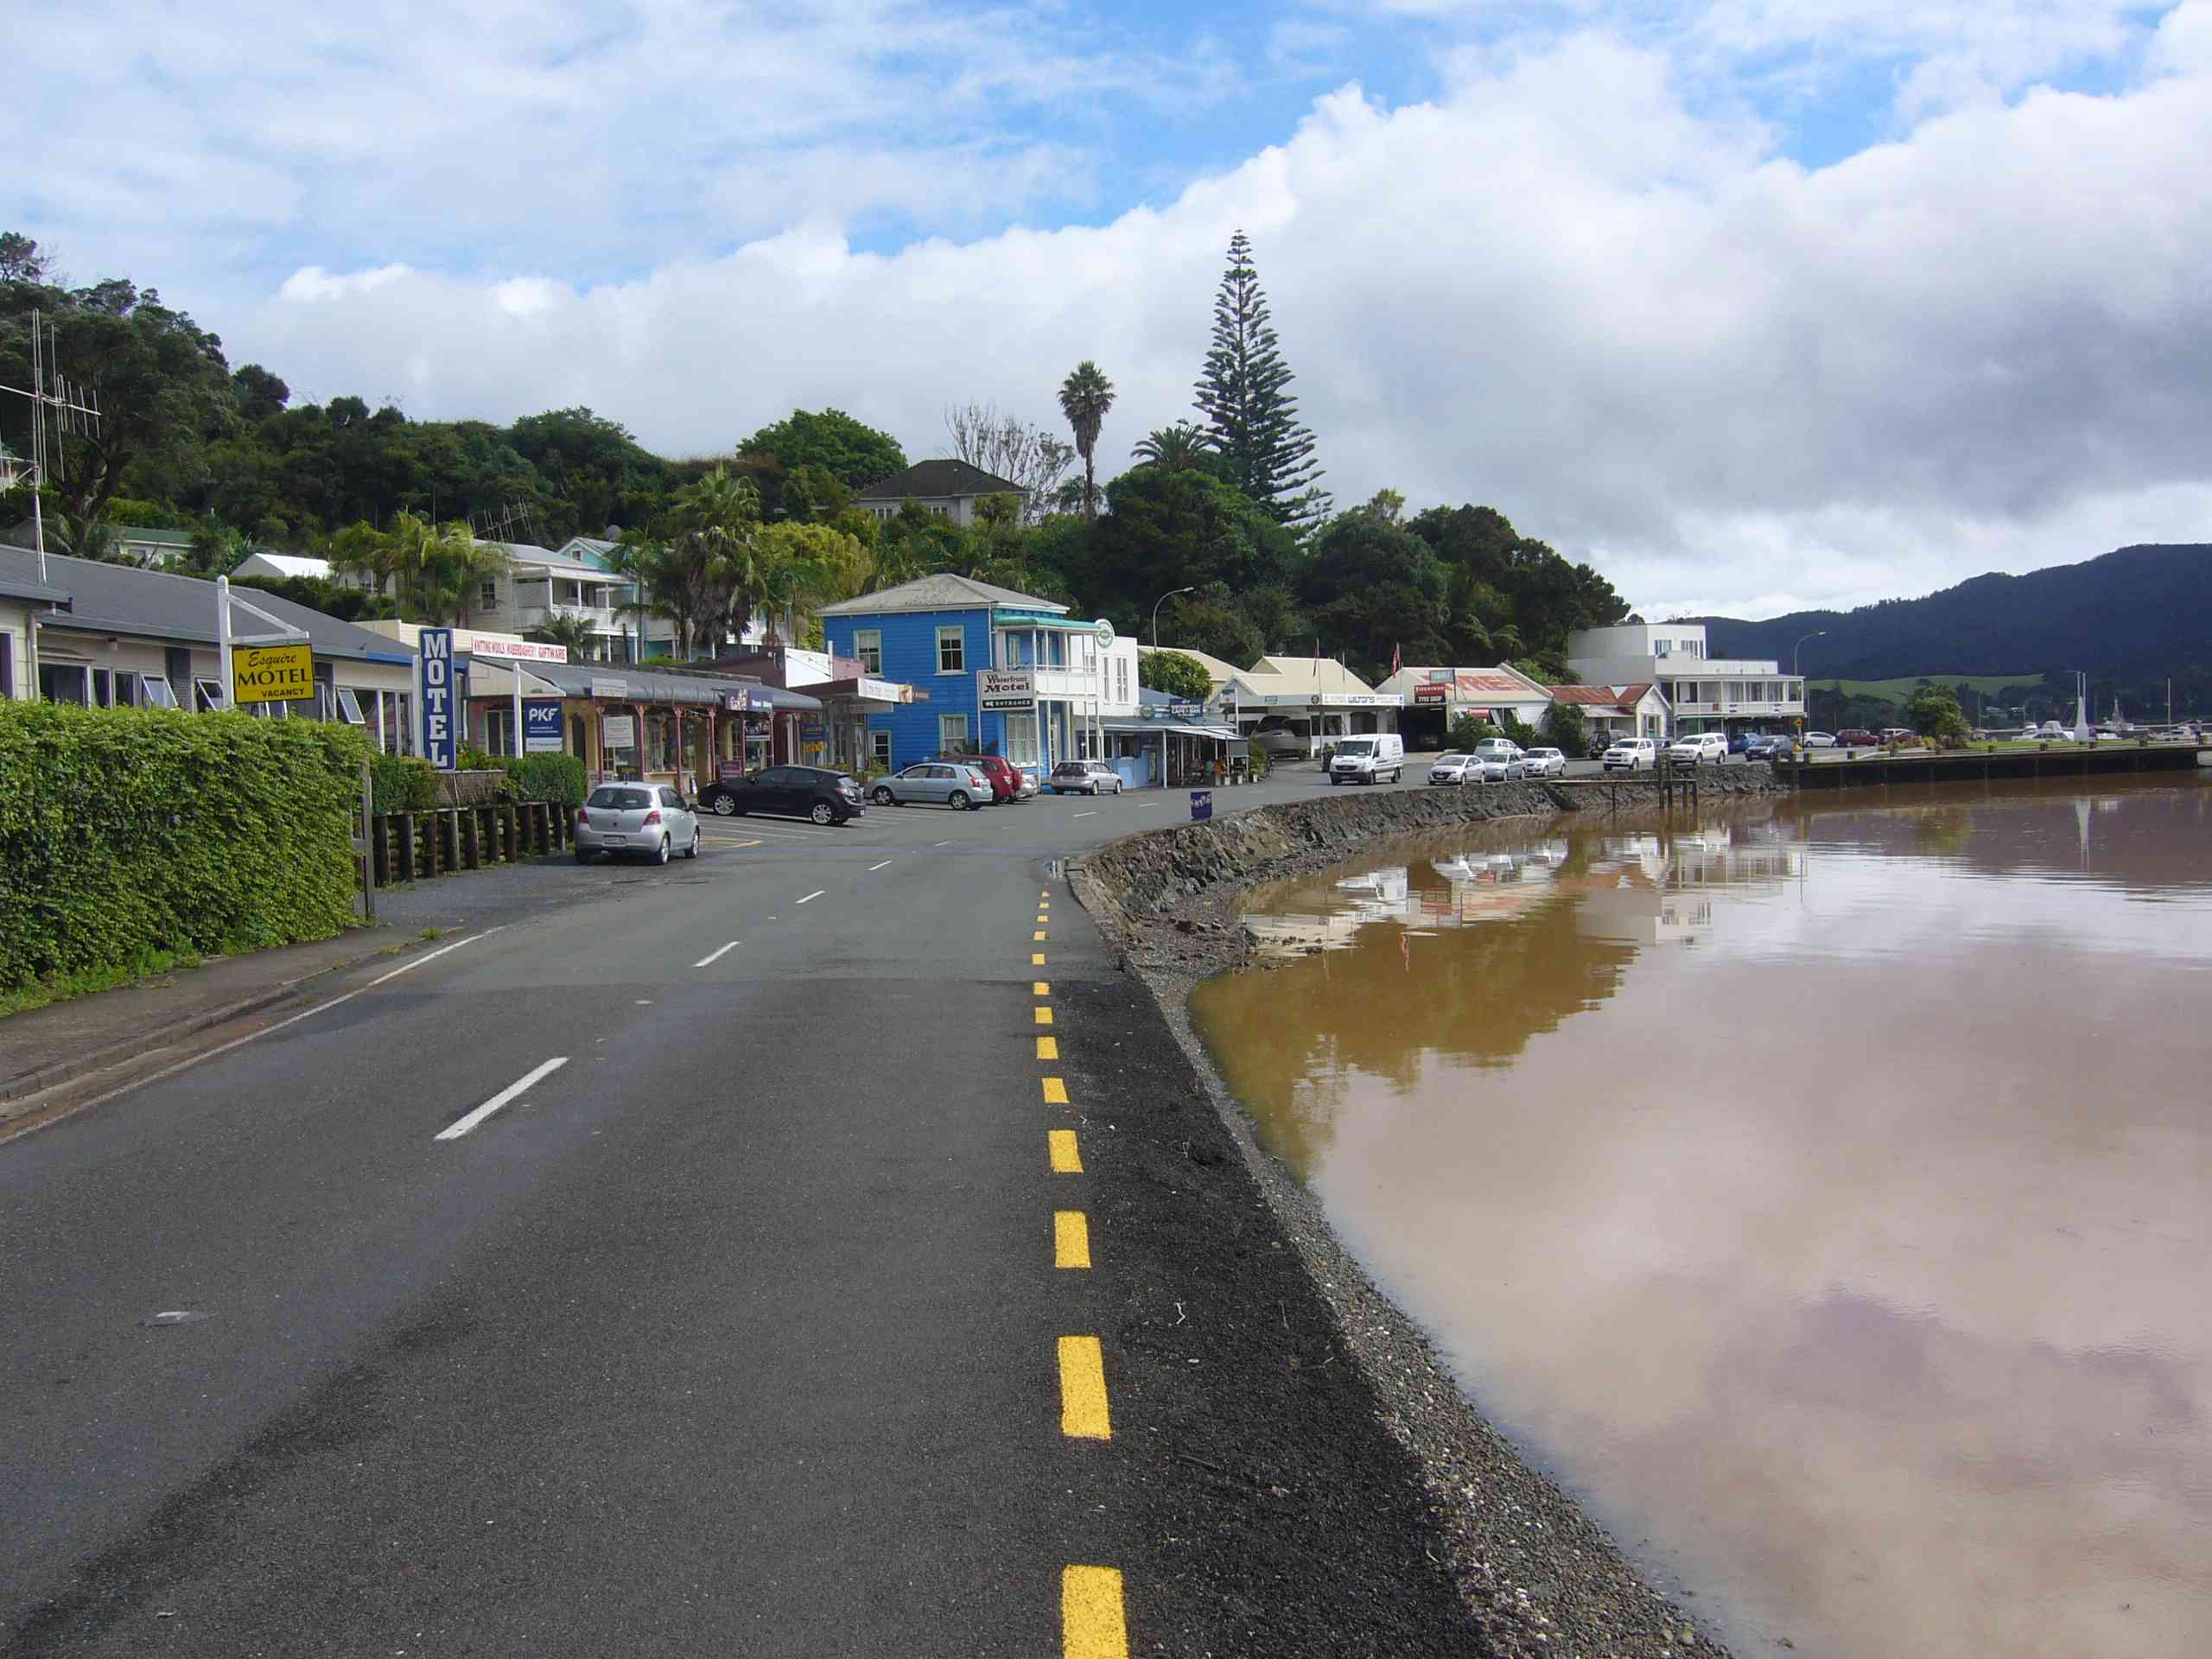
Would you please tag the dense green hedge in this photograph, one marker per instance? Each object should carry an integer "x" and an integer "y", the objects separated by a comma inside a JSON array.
[
  {"x": 402, "y": 782},
  {"x": 125, "y": 831},
  {"x": 556, "y": 778}
]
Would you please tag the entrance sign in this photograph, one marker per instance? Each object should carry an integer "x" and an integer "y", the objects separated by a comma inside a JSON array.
[
  {"x": 434, "y": 693},
  {"x": 541, "y": 726},
  {"x": 1006, "y": 691},
  {"x": 272, "y": 674},
  {"x": 1201, "y": 804},
  {"x": 618, "y": 731},
  {"x": 1430, "y": 693}
]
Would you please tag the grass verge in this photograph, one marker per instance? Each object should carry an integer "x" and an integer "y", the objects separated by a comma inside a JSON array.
[{"x": 39, "y": 992}]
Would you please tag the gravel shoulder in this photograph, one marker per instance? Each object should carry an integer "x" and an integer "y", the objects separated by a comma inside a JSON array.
[{"x": 1532, "y": 1573}]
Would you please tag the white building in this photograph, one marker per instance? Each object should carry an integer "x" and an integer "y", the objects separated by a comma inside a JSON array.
[
  {"x": 1304, "y": 702},
  {"x": 1705, "y": 693},
  {"x": 1433, "y": 698},
  {"x": 282, "y": 566}
]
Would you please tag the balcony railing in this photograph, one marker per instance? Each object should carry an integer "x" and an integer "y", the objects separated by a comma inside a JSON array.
[{"x": 601, "y": 617}]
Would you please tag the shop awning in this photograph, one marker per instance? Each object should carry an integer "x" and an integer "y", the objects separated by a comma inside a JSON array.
[
  {"x": 1156, "y": 728},
  {"x": 865, "y": 689},
  {"x": 621, "y": 683}
]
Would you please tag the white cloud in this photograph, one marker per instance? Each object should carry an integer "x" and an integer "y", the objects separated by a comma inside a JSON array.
[{"x": 1566, "y": 286}]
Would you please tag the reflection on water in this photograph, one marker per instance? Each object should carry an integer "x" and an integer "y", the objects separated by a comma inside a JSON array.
[{"x": 1823, "y": 1193}]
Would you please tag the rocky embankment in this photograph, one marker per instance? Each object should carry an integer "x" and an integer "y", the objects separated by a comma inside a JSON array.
[{"x": 1536, "y": 1575}]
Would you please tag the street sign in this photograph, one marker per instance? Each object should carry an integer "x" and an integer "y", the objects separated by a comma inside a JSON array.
[
  {"x": 439, "y": 742},
  {"x": 272, "y": 674},
  {"x": 1201, "y": 804},
  {"x": 618, "y": 732},
  {"x": 1009, "y": 691},
  {"x": 541, "y": 725}
]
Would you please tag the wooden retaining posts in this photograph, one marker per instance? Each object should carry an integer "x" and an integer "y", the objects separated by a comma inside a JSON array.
[{"x": 416, "y": 846}]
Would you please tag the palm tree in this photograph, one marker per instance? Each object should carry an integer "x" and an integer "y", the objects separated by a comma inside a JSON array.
[
  {"x": 714, "y": 554},
  {"x": 1173, "y": 448},
  {"x": 633, "y": 562},
  {"x": 1085, "y": 396},
  {"x": 474, "y": 563},
  {"x": 575, "y": 633},
  {"x": 357, "y": 550}
]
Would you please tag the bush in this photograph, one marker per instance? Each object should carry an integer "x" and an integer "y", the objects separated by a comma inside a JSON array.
[
  {"x": 1467, "y": 731},
  {"x": 125, "y": 832},
  {"x": 556, "y": 778},
  {"x": 403, "y": 782},
  {"x": 1568, "y": 730},
  {"x": 1513, "y": 727}
]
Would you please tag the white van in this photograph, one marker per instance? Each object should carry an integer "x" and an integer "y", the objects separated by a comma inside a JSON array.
[{"x": 1367, "y": 757}]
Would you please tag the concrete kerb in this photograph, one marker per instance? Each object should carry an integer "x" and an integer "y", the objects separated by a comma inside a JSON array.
[
  {"x": 40, "y": 1078},
  {"x": 1536, "y": 1574}
]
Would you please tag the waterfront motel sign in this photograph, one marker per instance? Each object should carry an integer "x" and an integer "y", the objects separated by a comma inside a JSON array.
[
  {"x": 434, "y": 698},
  {"x": 272, "y": 674}
]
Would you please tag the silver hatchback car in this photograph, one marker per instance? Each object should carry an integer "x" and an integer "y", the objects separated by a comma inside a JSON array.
[
  {"x": 962, "y": 788},
  {"x": 636, "y": 821}
]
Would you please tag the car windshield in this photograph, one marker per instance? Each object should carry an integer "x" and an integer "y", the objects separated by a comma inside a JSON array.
[
  {"x": 1444, "y": 760},
  {"x": 1355, "y": 746},
  {"x": 1544, "y": 754},
  {"x": 624, "y": 799}
]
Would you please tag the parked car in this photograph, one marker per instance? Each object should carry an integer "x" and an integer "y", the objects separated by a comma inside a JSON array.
[
  {"x": 2050, "y": 729},
  {"x": 1856, "y": 737},
  {"x": 1500, "y": 749},
  {"x": 1453, "y": 768},
  {"x": 1632, "y": 755},
  {"x": 959, "y": 784},
  {"x": 1895, "y": 733},
  {"x": 1008, "y": 781},
  {"x": 1546, "y": 763},
  {"x": 1766, "y": 746},
  {"x": 814, "y": 793},
  {"x": 636, "y": 821},
  {"x": 1366, "y": 760},
  {"x": 1083, "y": 778},
  {"x": 1699, "y": 748},
  {"x": 1279, "y": 739},
  {"x": 1820, "y": 739}
]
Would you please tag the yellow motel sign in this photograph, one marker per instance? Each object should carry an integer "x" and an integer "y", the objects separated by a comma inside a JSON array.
[{"x": 272, "y": 674}]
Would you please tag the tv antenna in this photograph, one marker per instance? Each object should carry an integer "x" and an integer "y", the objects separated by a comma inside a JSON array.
[{"x": 52, "y": 398}]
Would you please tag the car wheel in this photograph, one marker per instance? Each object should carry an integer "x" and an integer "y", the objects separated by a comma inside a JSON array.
[
  {"x": 660, "y": 853},
  {"x": 725, "y": 807},
  {"x": 883, "y": 796},
  {"x": 958, "y": 800},
  {"x": 692, "y": 851},
  {"x": 823, "y": 813}
]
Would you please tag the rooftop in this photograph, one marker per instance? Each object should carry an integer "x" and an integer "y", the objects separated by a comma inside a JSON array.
[
  {"x": 939, "y": 481},
  {"x": 943, "y": 592}
]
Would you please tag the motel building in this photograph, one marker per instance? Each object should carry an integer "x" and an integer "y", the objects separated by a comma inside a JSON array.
[
  {"x": 114, "y": 636},
  {"x": 990, "y": 672},
  {"x": 658, "y": 726}
]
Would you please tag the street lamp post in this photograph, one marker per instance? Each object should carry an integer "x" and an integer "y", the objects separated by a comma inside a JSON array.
[
  {"x": 1795, "y": 650},
  {"x": 1157, "y": 603}
]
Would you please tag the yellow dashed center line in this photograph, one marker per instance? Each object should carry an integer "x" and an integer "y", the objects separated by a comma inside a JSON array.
[
  {"x": 1067, "y": 1160},
  {"x": 1037, "y": 937},
  {"x": 1048, "y": 1048},
  {"x": 1039, "y": 988},
  {"x": 1071, "y": 1239},
  {"x": 1091, "y": 1625},
  {"x": 1056, "y": 1093},
  {"x": 1044, "y": 1016},
  {"x": 1083, "y": 1390},
  {"x": 1036, "y": 958}
]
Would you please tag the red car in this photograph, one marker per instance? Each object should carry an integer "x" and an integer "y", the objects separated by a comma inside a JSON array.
[
  {"x": 1006, "y": 782},
  {"x": 1856, "y": 737}
]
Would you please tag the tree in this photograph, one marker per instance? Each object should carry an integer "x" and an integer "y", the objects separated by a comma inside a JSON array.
[
  {"x": 711, "y": 571},
  {"x": 20, "y": 259},
  {"x": 1180, "y": 676},
  {"x": 1165, "y": 531},
  {"x": 1085, "y": 396},
  {"x": 1569, "y": 733},
  {"x": 1210, "y": 621},
  {"x": 1250, "y": 416},
  {"x": 1934, "y": 713},
  {"x": 1374, "y": 591},
  {"x": 1013, "y": 449},
  {"x": 1172, "y": 449},
  {"x": 565, "y": 628},
  {"x": 855, "y": 454}
]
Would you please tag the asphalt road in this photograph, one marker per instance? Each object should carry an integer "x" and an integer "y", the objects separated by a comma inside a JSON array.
[{"x": 814, "y": 1249}]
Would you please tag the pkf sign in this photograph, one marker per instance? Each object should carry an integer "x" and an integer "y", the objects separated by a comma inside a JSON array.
[
  {"x": 1011, "y": 691},
  {"x": 541, "y": 726},
  {"x": 440, "y": 744}
]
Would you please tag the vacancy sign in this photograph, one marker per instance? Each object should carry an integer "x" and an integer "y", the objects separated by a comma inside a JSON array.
[{"x": 272, "y": 674}]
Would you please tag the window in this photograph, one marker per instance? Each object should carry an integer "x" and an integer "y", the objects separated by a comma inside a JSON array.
[
  {"x": 7, "y": 666},
  {"x": 670, "y": 798},
  {"x": 867, "y": 646},
  {"x": 951, "y": 649},
  {"x": 879, "y": 748},
  {"x": 952, "y": 731},
  {"x": 156, "y": 692},
  {"x": 489, "y": 596},
  {"x": 65, "y": 682}
]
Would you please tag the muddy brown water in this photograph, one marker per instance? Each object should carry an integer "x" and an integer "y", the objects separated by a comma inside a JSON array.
[{"x": 1822, "y": 1193}]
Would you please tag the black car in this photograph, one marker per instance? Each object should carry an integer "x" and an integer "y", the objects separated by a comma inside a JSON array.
[
  {"x": 814, "y": 792},
  {"x": 1766, "y": 746}
]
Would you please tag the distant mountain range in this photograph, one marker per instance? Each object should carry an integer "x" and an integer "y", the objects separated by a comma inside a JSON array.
[{"x": 2137, "y": 614}]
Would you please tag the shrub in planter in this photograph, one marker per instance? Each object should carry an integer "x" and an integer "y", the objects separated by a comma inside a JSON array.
[{"x": 403, "y": 782}]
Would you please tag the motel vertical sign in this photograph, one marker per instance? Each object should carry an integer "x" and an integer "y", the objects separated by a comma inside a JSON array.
[{"x": 440, "y": 744}]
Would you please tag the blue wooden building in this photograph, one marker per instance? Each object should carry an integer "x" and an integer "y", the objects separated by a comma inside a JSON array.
[{"x": 940, "y": 633}]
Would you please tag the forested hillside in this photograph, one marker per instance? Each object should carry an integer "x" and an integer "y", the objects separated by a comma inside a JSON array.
[{"x": 2131, "y": 619}]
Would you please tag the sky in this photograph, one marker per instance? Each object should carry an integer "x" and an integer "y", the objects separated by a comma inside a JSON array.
[{"x": 1754, "y": 305}]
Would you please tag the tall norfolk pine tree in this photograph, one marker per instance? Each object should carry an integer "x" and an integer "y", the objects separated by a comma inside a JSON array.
[{"x": 1250, "y": 417}]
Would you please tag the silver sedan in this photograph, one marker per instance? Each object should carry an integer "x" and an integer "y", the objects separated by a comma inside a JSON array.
[{"x": 955, "y": 786}]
